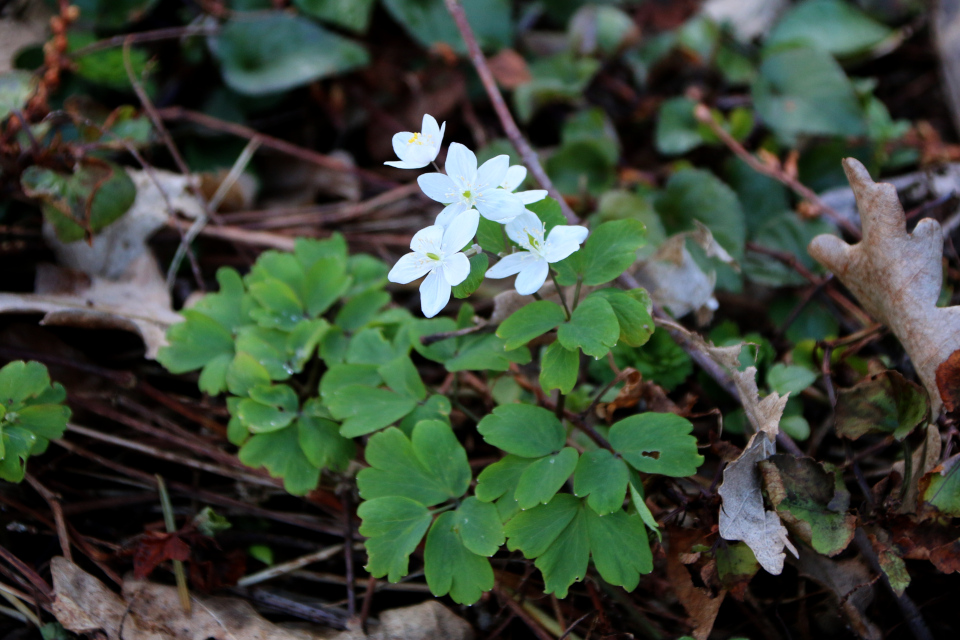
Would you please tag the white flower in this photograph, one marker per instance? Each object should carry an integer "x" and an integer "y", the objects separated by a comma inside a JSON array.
[
  {"x": 436, "y": 254},
  {"x": 533, "y": 264},
  {"x": 514, "y": 178},
  {"x": 465, "y": 187},
  {"x": 417, "y": 150}
]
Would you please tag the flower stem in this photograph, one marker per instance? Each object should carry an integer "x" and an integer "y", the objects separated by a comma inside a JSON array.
[
  {"x": 576, "y": 292},
  {"x": 563, "y": 298},
  {"x": 167, "y": 507},
  {"x": 561, "y": 402}
]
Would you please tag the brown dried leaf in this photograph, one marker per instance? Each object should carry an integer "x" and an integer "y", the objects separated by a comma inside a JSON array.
[
  {"x": 743, "y": 515},
  {"x": 148, "y": 611},
  {"x": 896, "y": 275},
  {"x": 138, "y": 302},
  {"x": 509, "y": 69},
  {"x": 700, "y": 605}
]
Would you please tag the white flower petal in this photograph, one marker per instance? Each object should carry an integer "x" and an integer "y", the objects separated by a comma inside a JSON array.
[
  {"x": 410, "y": 267},
  {"x": 456, "y": 268},
  {"x": 564, "y": 240},
  {"x": 532, "y": 278},
  {"x": 434, "y": 294},
  {"x": 428, "y": 240},
  {"x": 522, "y": 227},
  {"x": 534, "y": 195},
  {"x": 430, "y": 128},
  {"x": 461, "y": 166},
  {"x": 450, "y": 212},
  {"x": 514, "y": 178},
  {"x": 499, "y": 205},
  {"x": 438, "y": 187},
  {"x": 512, "y": 264},
  {"x": 401, "y": 143},
  {"x": 491, "y": 173},
  {"x": 407, "y": 164},
  {"x": 460, "y": 231}
]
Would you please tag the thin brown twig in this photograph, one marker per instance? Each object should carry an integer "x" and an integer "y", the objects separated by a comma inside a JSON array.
[
  {"x": 527, "y": 154},
  {"x": 517, "y": 609},
  {"x": 155, "y": 35},
  {"x": 32, "y": 576},
  {"x": 53, "y": 500},
  {"x": 308, "y": 155},
  {"x": 703, "y": 115}
]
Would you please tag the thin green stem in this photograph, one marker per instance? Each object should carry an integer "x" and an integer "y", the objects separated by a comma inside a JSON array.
[
  {"x": 563, "y": 298},
  {"x": 171, "y": 524},
  {"x": 576, "y": 292}
]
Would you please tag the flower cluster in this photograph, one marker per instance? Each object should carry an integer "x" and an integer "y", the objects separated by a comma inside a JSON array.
[{"x": 468, "y": 192}]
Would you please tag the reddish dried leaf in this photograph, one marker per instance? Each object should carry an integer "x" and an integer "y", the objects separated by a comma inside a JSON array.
[
  {"x": 154, "y": 548},
  {"x": 510, "y": 69},
  {"x": 948, "y": 381}
]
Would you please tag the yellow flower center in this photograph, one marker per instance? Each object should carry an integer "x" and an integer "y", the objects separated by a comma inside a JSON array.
[{"x": 416, "y": 139}]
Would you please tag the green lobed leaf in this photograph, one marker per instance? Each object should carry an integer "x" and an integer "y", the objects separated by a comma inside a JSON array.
[
  {"x": 394, "y": 526},
  {"x": 540, "y": 481},
  {"x": 563, "y": 534},
  {"x": 602, "y": 479},
  {"x": 16, "y": 87},
  {"x": 480, "y": 527},
  {"x": 269, "y": 408},
  {"x": 636, "y": 324},
  {"x": 559, "y": 368},
  {"x": 607, "y": 253},
  {"x": 940, "y": 488},
  {"x": 523, "y": 430},
  {"x": 322, "y": 444},
  {"x": 435, "y": 407},
  {"x": 281, "y": 454},
  {"x": 593, "y": 328},
  {"x": 244, "y": 373},
  {"x": 369, "y": 346},
  {"x": 430, "y": 467},
  {"x": 529, "y": 322},
  {"x": 784, "y": 379},
  {"x": 429, "y": 23},
  {"x": 366, "y": 409},
  {"x": 325, "y": 281},
  {"x": 657, "y": 443},
  {"x": 401, "y": 375},
  {"x": 483, "y": 352},
  {"x": 450, "y": 567},
  {"x": 501, "y": 477},
  {"x": 279, "y": 51},
  {"x": 361, "y": 309},
  {"x": 490, "y": 237}
]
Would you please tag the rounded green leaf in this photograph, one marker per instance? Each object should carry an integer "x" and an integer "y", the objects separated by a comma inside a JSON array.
[
  {"x": 529, "y": 322},
  {"x": 593, "y": 328},
  {"x": 544, "y": 477},
  {"x": 450, "y": 567},
  {"x": 365, "y": 409},
  {"x": 523, "y": 430},
  {"x": 501, "y": 478},
  {"x": 394, "y": 527},
  {"x": 280, "y": 51},
  {"x": 559, "y": 368},
  {"x": 603, "y": 479},
  {"x": 480, "y": 527},
  {"x": 657, "y": 443},
  {"x": 636, "y": 325}
]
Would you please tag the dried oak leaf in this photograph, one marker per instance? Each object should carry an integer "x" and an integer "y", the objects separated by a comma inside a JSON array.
[
  {"x": 896, "y": 275},
  {"x": 138, "y": 302},
  {"x": 700, "y": 604},
  {"x": 743, "y": 515},
  {"x": 154, "y": 548}
]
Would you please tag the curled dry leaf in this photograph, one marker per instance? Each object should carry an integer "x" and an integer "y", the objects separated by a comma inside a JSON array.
[
  {"x": 676, "y": 282},
  {"x": 138, "y": 302},
  {"x": 699, "y": 603},
  {"x": 149, "y": 611},
  {"x": 908, "y": 268},
  {"x": 743, "y": 515}
]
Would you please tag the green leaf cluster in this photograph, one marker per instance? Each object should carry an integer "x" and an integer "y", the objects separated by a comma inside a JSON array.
[
  {"x": 408, "y": 476},
  {"x": 314, "y": 311},
  {"x": 31, "y": 414}
]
